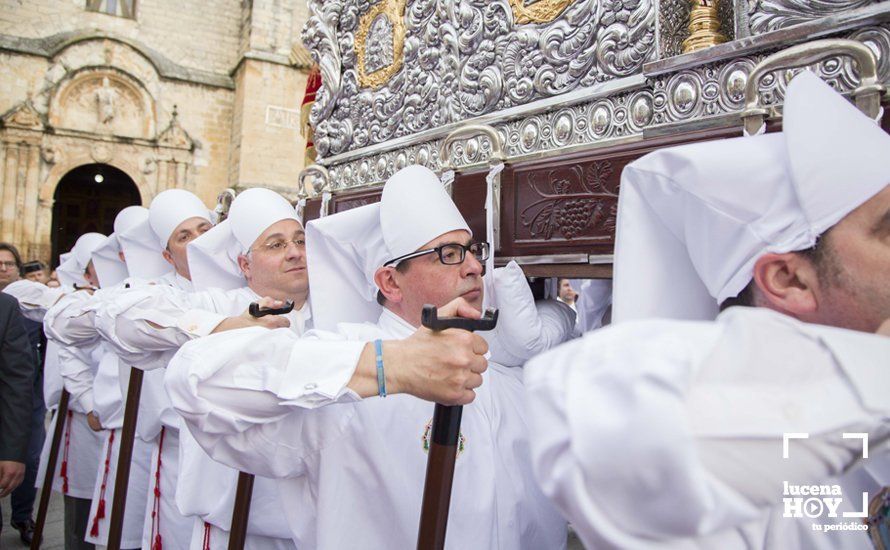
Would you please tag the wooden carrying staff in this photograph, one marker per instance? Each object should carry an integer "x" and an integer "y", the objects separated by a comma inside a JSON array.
[
  {"x": 124, "y": 458},
  {"x": 443, "y": 442},
  {"x": 244, "y": 490},
  {"x": 47, "y": 489}
]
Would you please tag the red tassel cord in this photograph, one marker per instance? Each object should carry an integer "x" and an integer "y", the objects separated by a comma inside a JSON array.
[
  {"x": 206, "y": 536},
  {"x": 63, "y": 471},
  {"x": 156, "y": 543},
  {"x": 100, "y": 509}
]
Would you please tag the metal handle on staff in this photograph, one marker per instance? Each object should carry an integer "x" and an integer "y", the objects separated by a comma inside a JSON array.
[
  {"x": 443, "y": 443},
  {"x": 244, "y": 490},
  {"x": 124, "y": 458},
  {"x": 51, "y": 460}
]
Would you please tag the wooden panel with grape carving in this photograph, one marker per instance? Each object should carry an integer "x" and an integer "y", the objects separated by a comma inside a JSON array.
[
  {"x": 563, "y": 208},
  {"x": 569, "y": 206}
]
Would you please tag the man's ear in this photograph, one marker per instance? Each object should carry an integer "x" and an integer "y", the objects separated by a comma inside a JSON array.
[
  {"x": 787, "y": 283},
  {"x": 244, "y": 265},
  {"x": 385, "y": 280},
  {"x": 169, "y": 257}
]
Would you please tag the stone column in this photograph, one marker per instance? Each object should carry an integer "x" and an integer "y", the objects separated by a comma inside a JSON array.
[
  {"x": 31, "y": 197},
  {"x": 10, "y": 169}
]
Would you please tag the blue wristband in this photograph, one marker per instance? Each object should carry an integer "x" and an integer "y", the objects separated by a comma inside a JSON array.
[{"x": 381, "y": 379}]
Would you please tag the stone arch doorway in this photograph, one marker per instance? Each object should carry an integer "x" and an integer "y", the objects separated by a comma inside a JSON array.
[{"x": 87, "y": 199}]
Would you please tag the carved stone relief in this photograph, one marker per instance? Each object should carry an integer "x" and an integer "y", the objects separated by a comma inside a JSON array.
[
  {"x": 174, "y": 135},
  {"x": 104, "y": 103},
  {"x": 24, "y": 116},
  {"x": 463, "y": 59},
  {"x": 106, "y": 97}
]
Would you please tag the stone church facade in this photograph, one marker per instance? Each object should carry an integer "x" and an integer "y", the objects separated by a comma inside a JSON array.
[{"x": 145, "y": 94}]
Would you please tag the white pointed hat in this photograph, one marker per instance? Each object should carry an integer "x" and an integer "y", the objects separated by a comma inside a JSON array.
[
  {"x": 144, "y": 243},
  {"x": 344, "y": 250},
  {"x": 415, "y": 209},
  {"x": 693, "y": 220},
  {"x": 65, "y": 278},
  {"x": 172, "y": 207},
  {"x": 110, "y": 269},
  {"x": 213, "y": 257},
  {"x": 72, "y": 269}
]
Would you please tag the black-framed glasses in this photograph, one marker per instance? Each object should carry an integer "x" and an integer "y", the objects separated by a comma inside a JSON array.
[{"x": 449, "y": 253}]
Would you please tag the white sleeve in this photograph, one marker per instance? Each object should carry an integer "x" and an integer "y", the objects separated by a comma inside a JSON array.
[
  {"x": 107, "y": 393},
  {"x": 525, "y": 327},
  {"x": 52, "y": 381},
  {"x": 142, "y": 324},
  {"x": 255, "y": 399},
  {"x": 77, "y": 376},
  {"x": 70, "y": 322},
  {"x": 34, "y": 298},
  {"x": 643, "y": 434}
]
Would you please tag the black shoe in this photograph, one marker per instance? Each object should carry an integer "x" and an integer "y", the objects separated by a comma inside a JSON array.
[{"x": 25, "y": 529}]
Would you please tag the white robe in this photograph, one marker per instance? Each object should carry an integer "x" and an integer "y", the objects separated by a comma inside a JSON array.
[
  {"x": 203, "y": 487},
  {"x": 669, "y": 434},
  {"x": 94, "y": 387},
  {"x": 157, "y": 443},
  {"x": 353, "y": 470},
  {"x": 80, "y": 446}
]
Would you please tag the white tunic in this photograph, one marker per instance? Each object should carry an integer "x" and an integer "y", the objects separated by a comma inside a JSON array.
[
  {"x": 34, "y": 298},
  {"x": 94, "y": 387},
  {"x": 354, "y": 470},
  {"x": 80, "y": 446},
  {"x": 203, "y": 487},
  {"x": 669, "y": 434}
]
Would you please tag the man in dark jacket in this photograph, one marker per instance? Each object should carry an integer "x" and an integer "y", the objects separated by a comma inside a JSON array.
[
  {"x": 23, "y": 498},
  {"x": 17, "y": 370}
]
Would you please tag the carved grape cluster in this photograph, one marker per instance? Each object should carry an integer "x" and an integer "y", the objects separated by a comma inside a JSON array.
[{"x": 572, "y": 216}]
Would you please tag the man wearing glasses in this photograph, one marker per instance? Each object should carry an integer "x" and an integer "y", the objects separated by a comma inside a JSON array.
[
  {"x": 10, "y": 265},
  {"x": 256, "y": 255},
  {"x": 343, "y": 418}
]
